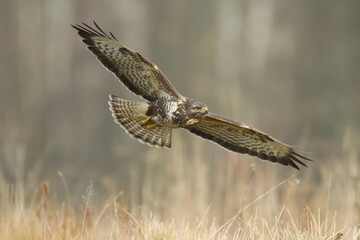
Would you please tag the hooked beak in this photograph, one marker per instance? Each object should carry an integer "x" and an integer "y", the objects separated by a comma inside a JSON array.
[{"x": 205, "y": 110}]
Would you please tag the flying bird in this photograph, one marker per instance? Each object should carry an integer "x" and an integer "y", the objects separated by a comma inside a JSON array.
[{"x": 164, "y": 109}]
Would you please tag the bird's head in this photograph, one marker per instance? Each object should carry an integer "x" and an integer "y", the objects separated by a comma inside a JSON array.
[{"x": 197, "y": 110}]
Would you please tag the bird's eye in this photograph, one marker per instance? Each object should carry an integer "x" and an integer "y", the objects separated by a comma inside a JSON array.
[{"x": 197, "y": 107}]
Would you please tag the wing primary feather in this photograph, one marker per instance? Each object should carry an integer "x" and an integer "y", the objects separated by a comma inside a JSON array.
[
  {"x": 89, "y": 30},
  {"x": 95, "y": 31},
  {"x": 296, "y": 159},
  {"x": 291, "y": 163},
  {"x": 113, "y": 36},
  {"x": 296, "y": 154},
  {"x": 80, "y": 28},
  {"x": 101, "y": 29},
  {"x": 84, "y": 32}
]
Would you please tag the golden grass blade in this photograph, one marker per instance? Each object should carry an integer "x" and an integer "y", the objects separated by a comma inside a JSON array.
[{"x": 232, "y": 219}]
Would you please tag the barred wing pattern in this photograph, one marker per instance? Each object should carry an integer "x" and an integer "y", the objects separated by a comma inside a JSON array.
[
  {"x": 240, "y": 138},
  {"x": 123, "y": 112},
  {"x": 134, "y": 71}
]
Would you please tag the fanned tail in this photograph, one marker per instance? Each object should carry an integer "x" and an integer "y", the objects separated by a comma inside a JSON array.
[{"x": 128, "y": 114}]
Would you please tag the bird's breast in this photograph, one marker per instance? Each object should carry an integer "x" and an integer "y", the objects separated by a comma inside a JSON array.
[{"x": 168, "y": 113}]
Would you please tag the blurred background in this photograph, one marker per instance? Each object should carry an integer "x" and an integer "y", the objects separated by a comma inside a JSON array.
[{"x": 288, "y": 68}]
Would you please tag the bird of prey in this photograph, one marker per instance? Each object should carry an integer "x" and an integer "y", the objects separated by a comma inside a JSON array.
[{"x": 164, "y": 109}]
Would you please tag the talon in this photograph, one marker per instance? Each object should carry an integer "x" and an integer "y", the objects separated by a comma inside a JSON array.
[
  {"x": 149, "y": 126},
  {"x": 146, "y": 124},
  {"x": 143, "y": 122}
]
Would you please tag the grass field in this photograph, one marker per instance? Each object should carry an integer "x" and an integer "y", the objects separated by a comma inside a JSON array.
[
  {"x": 186, "y": 199},
  {"x": 45, "y": 218}
]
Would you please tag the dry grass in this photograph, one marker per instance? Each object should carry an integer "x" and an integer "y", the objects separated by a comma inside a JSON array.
[
  {"x": 46, "y": 218},
  {"x": 196, "y": 196}
]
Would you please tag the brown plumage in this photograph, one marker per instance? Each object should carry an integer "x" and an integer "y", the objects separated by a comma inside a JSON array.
[
  {"x": 240, "y": 138},
  {"x": 127, "y": 112},
  {"x": 152, "y": 121},
  {"x": 137, "y": 73}
]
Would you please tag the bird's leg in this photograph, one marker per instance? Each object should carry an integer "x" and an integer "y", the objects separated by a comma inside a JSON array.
[
  {"x": 143, "y": 122},
  {"x": 147, "y": 124}
]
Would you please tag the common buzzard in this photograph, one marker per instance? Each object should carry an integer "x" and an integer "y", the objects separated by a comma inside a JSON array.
[{"x": 153, "y": 120}]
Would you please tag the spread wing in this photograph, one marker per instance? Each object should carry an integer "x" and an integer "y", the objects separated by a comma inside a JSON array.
[
  {"x": 240, "y": 138},
  {"x": 134, "y": 71}
]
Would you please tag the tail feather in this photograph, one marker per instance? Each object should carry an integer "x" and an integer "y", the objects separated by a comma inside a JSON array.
[
  {"x": 126, "y": 108},
  {"x": 128, "y": 114}
]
